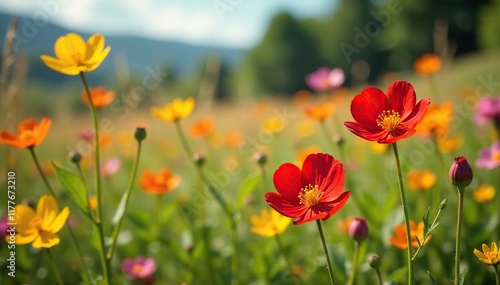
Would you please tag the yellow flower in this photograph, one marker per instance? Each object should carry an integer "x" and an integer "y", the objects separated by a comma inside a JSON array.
[
  {"x": 93, "y": 202},
  {"x": 175, "y": 111},
  {"x": 489, "y": 256},
  {"x": 436, "y": 120},
  {"x": 449, "y": 144},
  {"x": 427, "y": 64},
  {"x": 73, "y": 55},
  {"x": 305, "y": 152},
  {"x": 269, "y": 223},
  {"x": 483, "y": 193},
  {"x": 378, "y": 148},
  {"x": 274, "y": 125},
  {"x": 421, "y": 180},
  {"x": 305, "y": 129},
  {"x": 40, "y": 228}
]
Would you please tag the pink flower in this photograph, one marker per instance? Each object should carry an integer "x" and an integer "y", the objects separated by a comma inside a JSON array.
[
  {"x": 110, "y": 167},
  {"x": 325, "y": 79},
  {"x": 487, "y": 108},
  {"x": 139, "y": 267},
  {"x": 489, "y": 158}
]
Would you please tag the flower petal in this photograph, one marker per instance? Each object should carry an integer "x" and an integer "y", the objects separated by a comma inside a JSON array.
[
  {"x": 47, "y": 210},
  {"x": 59, "y": 65},
  {"x": 323, "y": 170},
  {"x": 402, "y": 97},
  {"x": 58, "y": 222},
  {"x": 46, "y": 240},
  {"x": 367, "y": 106},
  {"x": 288, "y": 182},
  {"x": 339, "y": 203},
  {"x": 282, "y": 206},
  {"x": 66, "y": 47},
  {"x": 24, "y": 215},
  {"x": 308, "y": 216},
  {"x": 418, "y": 113},
  {"x": 362, "y": 132}
]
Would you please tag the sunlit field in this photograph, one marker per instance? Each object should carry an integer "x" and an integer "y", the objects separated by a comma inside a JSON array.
[{"x": 183, "y": 179}]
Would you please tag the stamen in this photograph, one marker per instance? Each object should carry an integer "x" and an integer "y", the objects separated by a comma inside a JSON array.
[
  {"x": 310, "y": 195},
  {"x": 388, "y": 120}
]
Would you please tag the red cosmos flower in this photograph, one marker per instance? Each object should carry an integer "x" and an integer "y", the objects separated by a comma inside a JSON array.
[
  {"x": 315, "y": 192},
  {"x": 387, "y": 118}
]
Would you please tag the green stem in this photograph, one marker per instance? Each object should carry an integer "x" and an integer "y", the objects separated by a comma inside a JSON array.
[
  {"x": 208, "y": 254},
  {"x": 97, "y": 185},
  {"x": 126, "y": 196},
  {"x": 72, "y": 235},
  {"x": 184, "y": 141},
  {"x": 285, "y": 256},
  {"x": 354, "y": 263},
  {"x": 497, "y": 275},
  {"x": 379, "y": 277},
  {"x": 47, "y": 184},
  {"x": 54, "y": 268},
  {"x": 325, "y": 249},
  {"x": 235, "y": 257},
  {"x": 458, "y": 235},
  {"x": 405, "y": 212},
  {"x": 428, "y": 233},
  {"x": 436, "y": 198}
]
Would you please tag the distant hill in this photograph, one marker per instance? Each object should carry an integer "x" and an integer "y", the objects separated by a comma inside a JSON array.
[{"x": 182, "y": 58}]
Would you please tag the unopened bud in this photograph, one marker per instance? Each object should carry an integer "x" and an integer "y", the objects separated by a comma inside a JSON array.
[
  {"x": 461, "y": 173},
  {"x": 199, "y": 159},
  {"x": 374, "y": 261},
  {"x": 260, "y": 157},
  {"x": 75, "y": 157},
  {"x": 140, "y": 134},
  {"x": 358, "y": 229},
  {"x": 339, "y": 140},
  {"x": 443, "y": 204}
]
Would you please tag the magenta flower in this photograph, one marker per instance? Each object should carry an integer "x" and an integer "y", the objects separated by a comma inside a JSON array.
[
  {"x": 110, "y": 167},
  {"x": 358, "y": 229},
  {"x": 4, "y": 227},
  {"x": 487, "y": 108},
  {"x": 489, "y": 158},
  {"x": 461, "y": 174},
  {"x": 325, "y": 79},
  {"x": 139, "y": 267}
]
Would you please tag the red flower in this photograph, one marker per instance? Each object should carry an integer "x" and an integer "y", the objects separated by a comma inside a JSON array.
[
  {"x": 315, "y": 192},
  {"x": 387, "y": 118}
]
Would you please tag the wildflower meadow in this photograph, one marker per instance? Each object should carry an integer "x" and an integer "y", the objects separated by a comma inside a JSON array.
[{"x": 386, "y": 183}]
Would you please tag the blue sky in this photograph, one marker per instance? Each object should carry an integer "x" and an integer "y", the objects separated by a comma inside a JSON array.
[{"x": 235, "y": 23}]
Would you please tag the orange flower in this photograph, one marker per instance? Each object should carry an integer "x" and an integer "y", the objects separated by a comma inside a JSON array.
[
  {"x": 399, "y": 240},
  {"x": 161, "y": 183},
  {"x": 101, "y": 97},
  {"x": 302, "y": 97},
  {"x": 447, "y": 144},
  {"x": 234, "y": 140},
  {"x": 344, "y": 224},
  {"x": 320, "y": 112},
  {"x": 29, "y": 134},
  {"x": 202, "y": 127},
  {"x": 421, "y": 180},
  {"x": 427, "y": 64},
  {"x": 436, "y": 120}
]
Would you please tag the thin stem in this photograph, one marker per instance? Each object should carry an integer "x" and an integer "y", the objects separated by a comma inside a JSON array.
[
  {"x": 325, "y": 249},
  {"x": 405, "y": 212},
  {"x": 436, "y": 198},
  {"x": 354, "y": 263},
  {"x": 97, "y": 185},
  {"x": 72, "y": 235},
  {"x": 54, "y": 268},
  {"x": 285, "y": 256},
  {"x": 235, "y": 257},
  {"x": 379, "y": 277},
  {"x": 183, "y": 139},
  {"x": 458, "y": 235},
  {"x": 44, "y": 178},
  {"x": 208, "y": 254},
  {"x": 432, "y": 226},
  {"x": 497, "y": 275},
  {"x": 130, "y": 186}
]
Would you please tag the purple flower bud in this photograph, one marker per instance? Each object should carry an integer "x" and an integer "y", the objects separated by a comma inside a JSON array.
[
  {"x": 461, "y": 172},
  {"x": 358, "y": 229}
]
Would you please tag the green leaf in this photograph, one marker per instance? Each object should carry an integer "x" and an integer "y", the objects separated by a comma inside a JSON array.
[
  {"x": 398, "y": 274},
  {"x": 247, "y": 186},
  {"x": 425, "y": 219},
  {"x": 418, "y": 241},
  {"x": 120, "y": 210},
  {"x": 431, "y": 279},
  {"x": 74, "y": 186},
  {"x": 215, "y": 193}
]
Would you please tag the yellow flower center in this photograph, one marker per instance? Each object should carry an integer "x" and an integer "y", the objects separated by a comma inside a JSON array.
[
  {"x": 77, "y": 58},
  {"x": 36, "y": 223},
  {"x": 491, "y": 257},
  {"x": 27, "y": 135},
  {"x": 388, "y": 120},
  {"x": 310, "y": 195},
  {"x": 136, "y": 269}
]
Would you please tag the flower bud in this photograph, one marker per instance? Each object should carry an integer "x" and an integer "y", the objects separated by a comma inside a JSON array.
[
  {"x": 199, "y": 159},
  {"x": 339, "y": 140},
  {"x": 75, "y": 157},
  {"x": 260, "y": 157},
  {"x": 358, "y": 229},
  {"x": 140, "y": 134},
  {"x": 374, "y": 261},
  {"x": 443, "y": 204},
  {"x": 460, "y": 173}
]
